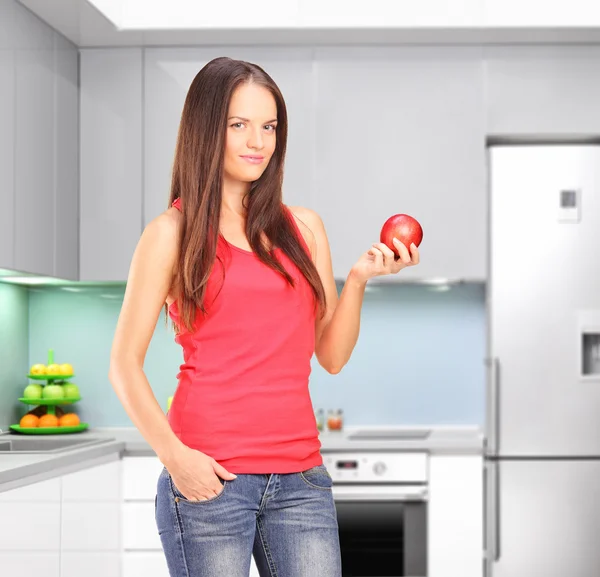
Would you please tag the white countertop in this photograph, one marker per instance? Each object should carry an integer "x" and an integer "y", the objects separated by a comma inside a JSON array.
[{"x": 21, "y": 469}]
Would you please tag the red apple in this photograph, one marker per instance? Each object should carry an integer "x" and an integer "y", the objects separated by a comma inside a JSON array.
[{"x": 405, "y": 228}]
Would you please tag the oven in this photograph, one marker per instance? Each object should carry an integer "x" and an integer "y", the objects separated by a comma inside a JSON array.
[{"x": 381, "y": 502}]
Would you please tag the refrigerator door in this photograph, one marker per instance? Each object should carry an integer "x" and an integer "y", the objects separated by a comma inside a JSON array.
[
  {"x": 544, "y": 301},
  {"x": 544, "y": 518}
]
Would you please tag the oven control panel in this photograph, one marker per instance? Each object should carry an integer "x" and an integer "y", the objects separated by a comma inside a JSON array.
[{"x": 377, "y": 467}]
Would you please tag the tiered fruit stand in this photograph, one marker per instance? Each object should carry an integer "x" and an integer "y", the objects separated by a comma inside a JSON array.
[{"x": 51, "y": 406}]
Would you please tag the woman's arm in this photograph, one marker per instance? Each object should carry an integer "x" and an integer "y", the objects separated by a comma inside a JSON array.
[
  {"x": 148, "y": 285},
  {"x": 337, "y": 332}
]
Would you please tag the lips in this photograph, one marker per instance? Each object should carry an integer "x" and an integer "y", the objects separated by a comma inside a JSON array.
[{"x": 253, "y": 156}]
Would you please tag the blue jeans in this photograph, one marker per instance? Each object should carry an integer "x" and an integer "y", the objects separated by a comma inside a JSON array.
[{"x": 287, "y": 521}]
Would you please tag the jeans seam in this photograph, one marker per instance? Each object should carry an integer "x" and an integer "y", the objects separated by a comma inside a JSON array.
[
  {"x": 179, "y": 529},
  {"x": 266, "y": 550},
  {"x": 312, "y": 484}
]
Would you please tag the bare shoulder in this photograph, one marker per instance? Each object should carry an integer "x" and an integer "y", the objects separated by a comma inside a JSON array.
[
  {"x": 310, "y": 224},
  {"x": 306, "y": 216},
  {"x": 165, "y": 227}
]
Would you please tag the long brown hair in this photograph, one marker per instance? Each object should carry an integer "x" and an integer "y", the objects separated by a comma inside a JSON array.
[{"x": 198, "y": 181}]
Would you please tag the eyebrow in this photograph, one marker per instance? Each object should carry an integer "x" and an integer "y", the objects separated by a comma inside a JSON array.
[{"x": 246, "y": 120}]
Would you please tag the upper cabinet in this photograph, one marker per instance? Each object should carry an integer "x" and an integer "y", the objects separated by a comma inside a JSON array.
[
  {"x": 401, "y": 130},
  {"x": 111, "y": 204},
  {"x": 169, "y": 73},
  {"x": 38, "y": 147},
  {"x": 66, "y": 145},
  {"x": 7, "y": 134},
  {"x": 543, "y": 91}
]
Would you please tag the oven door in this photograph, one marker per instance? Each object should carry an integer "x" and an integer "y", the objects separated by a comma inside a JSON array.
[{"x": 383, "y": 530}]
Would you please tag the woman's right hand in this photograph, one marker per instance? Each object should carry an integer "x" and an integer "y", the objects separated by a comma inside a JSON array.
[{"x": 196, "y": 475}]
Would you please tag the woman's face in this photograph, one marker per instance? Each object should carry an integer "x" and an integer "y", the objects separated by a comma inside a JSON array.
[{"x": 250, "y": 138}]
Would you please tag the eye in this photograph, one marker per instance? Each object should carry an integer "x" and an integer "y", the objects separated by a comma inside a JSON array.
[
  {"x": 272, "y": 127},
  {"x": 237, "y": 124}
]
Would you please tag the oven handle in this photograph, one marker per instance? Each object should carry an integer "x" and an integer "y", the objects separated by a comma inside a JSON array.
[{"x": 380, "y": 492}]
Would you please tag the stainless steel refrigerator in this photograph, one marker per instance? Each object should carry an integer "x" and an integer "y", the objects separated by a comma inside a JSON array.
[{"x": 542, "y": 462}]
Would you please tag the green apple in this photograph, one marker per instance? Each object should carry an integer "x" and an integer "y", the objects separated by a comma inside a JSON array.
[
  {"x": 70, "y": 390},
  {"x": 33, "y": 391},
  {"x": 169, "y": 401},
  {"x": 53, "y": 392}
]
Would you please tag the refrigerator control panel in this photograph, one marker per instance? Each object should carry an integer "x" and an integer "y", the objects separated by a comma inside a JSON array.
[{"x": 569, "y": 205}]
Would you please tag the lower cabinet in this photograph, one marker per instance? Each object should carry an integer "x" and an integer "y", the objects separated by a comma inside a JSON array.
[
  {"x": 99, "y": 522},
  {"x": 63, "y": 527},
  {"x": 142, "y": 550},
  {"x": 90, "y": 522},
  {"x": 30, "y": 530}
]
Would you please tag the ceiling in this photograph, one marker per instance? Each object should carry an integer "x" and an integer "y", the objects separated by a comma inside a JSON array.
[{"x": 86, "y": 27}]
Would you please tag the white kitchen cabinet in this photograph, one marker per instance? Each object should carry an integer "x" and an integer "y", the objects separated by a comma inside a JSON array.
[
  {"x": 7, "y": 134},
  {"x": 30, "y": 530},
  {"x": 91, "y": 521},
  {"x": 168, "y": 74},
  {"x": 111, "y": 161},
  {"x": 142, "y": 548},
  {"x": 542, "y": 90},
  {"x": 34, "y": 144},
  {"x": 66, "y": 147},
  {"x": 144, "y": 564},
  {"x": 38, "y": 146},
  {"x": 401, "y": 130},
  {"x": 455, "y": 516},
  {"x": 140, "y": 477}
]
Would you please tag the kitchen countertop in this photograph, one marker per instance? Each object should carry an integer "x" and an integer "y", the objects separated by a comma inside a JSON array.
[{"x": 25, "y": 468}]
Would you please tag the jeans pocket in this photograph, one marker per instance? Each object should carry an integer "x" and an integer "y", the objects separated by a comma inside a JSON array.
[
  {"x": 317, "y": 477},
  {"x": 183, "y": 499}
]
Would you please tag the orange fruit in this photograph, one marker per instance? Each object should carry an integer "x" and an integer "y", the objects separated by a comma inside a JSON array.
[
  {"x": 68, "y": 420},
  {"x": 29, "y": 421},
  {"x": 48, "y": 421}
]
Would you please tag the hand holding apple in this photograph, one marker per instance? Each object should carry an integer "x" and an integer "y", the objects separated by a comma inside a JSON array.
[
  {"x": 399, "y": 234},
  {"x": 403, "y": 227}
]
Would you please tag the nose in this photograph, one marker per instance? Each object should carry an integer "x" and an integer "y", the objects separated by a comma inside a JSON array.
[{"x": 255, "y": 140}]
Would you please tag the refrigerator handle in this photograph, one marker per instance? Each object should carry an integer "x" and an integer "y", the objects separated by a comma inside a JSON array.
[
  {"x": 496, "y": 552},
  {"x": 493, "y": 424},
  {"x": 492, "y": 515}
]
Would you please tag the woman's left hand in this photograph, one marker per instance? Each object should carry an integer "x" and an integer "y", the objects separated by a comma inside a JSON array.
[{"x": 380, "y": 260}]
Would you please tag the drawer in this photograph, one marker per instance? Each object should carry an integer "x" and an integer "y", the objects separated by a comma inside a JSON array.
[
  {"x": 139, "y": 527},
  {"x": 87, "y": 565},
  {"x": 139, "y": 478},
  {"x": 31, "y": 564},
  {"x": 91, "y": 527},
  {"x": 144, "y": 564},
  {"x": 29, "y": 527},
  {"x": 40, "y": 492},
  {"x": 100, "y": 483}
]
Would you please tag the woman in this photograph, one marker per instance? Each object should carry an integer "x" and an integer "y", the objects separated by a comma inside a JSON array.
[{"x": 248, "y": 283}]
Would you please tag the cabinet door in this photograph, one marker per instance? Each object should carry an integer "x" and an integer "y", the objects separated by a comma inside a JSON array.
[
  {"x": 91, "y": 521},
  {"x": 543, "y": 90},
  {"x": 30, "y": 530},
  {"x": 111, "y": 163},
  {"x": 168, "y": 75},
  {"x": 34, "y": 144},
  {"x": 401, "y": 130},
  {"x": 455, "y": 516},
  {"x": 7, "y": 134},
  {"x": 66, "y": 215}
]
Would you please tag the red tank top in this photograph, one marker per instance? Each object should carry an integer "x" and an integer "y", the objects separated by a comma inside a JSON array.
[{"x": 242, "y": 394}]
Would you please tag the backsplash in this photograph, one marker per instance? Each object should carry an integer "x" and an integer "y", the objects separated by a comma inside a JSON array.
[
  {"x": 419, "y": 358},
  {"x": 14, "y": 321}
]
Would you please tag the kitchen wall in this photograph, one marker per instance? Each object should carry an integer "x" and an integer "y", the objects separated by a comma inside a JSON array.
[
  {"x": 14, "y": 347},
  {"x": 419, "y": 359}
]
